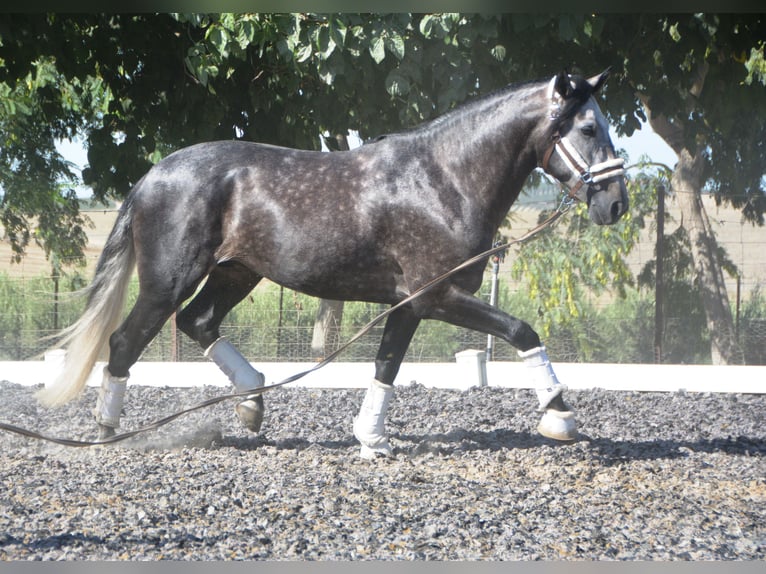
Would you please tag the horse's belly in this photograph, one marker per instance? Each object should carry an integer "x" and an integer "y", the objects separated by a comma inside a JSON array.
[{"x": 378, "y": 285}]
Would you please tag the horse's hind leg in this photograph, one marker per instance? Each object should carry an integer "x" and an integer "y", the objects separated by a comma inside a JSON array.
[
  {"x": 226, "y": 286},
  {"x": 126, "y": 344},
  {"x": 369, "y": 426}
]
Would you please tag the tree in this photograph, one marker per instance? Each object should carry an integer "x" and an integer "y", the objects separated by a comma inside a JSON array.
[
  {"x": 575, "y": 256},
  {"x": 697, "y": 92},
  {"x": 697, "y": 79},
  {"x": 138, "y": 86},
  {"x": 31, "y": 181}
]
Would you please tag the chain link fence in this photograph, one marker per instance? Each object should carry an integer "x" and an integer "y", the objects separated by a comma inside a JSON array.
[{"x": 277, "y": 325}]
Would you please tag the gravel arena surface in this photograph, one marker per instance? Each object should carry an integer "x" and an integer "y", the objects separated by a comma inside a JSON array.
[{"x": 653, "y": 476}]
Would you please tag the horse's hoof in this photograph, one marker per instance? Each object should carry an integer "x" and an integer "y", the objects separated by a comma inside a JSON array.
[
  {"x": 558, "y": 425},
  {"x": 383, "y": 450},
  {"x": 250, "y": 412},
  {"x": 373, "y": 440},
  {"x": 105, "y": 432}
]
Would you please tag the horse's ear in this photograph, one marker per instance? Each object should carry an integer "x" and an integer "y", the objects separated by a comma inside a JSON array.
[
  {"x": 597, "y": 81},
  {"x": 563, "y": 85}
]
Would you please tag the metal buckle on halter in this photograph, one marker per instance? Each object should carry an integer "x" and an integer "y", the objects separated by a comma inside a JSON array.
[
  {"x": 567, "y": 201},
  {"x": 586, "y": 177}
]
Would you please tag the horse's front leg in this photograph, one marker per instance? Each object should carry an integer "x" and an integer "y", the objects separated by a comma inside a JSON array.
[
  {"x": 369, "y": 425},
  {"x": 460, "y": 308}
]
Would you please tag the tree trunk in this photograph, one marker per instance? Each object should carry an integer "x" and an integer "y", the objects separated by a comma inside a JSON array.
[
  {"x": 326, "y": 335},
  {"x": 326, "y": 338},
  {"x": 686, "y": 185}
]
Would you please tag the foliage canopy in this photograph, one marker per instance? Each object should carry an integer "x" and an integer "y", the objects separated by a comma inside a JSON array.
[{"x": 135, "y": 87}]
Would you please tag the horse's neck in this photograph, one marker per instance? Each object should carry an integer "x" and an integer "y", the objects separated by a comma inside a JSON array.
[{"x": 490, "y": 148}]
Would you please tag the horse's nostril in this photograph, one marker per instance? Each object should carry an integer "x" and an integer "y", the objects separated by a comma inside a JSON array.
[{"x": 617, "y": 210}]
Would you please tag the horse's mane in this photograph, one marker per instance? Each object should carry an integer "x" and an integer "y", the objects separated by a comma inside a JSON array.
[{"x": 580, "y": 93}]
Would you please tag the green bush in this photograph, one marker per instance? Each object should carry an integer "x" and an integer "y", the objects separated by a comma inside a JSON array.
[{"x": 752, "y": 328}]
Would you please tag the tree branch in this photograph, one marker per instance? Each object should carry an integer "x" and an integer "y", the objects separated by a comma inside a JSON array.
[{"x": 665, "y": 127}]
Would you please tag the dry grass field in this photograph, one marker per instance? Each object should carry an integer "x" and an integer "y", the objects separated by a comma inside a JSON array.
[
  {"x": 34, "y": 264},
  {"x": 745, "y": 244}
]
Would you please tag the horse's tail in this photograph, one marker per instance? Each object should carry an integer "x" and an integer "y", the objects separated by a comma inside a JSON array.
[{"x": 87, "y": 339}]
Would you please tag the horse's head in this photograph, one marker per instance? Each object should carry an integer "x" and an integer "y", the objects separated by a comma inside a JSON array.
[{"x": 578, "y": 151}]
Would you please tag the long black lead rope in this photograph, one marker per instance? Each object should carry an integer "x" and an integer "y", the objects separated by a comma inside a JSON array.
[{"x": 258, "y": 391}]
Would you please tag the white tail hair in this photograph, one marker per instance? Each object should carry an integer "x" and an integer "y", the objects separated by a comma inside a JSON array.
[{"x": 87, "y": 339}]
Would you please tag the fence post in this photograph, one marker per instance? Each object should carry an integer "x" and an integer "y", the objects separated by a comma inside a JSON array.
[
  {"x": 497, "y": 258},
  {"x": 173, "y": 339},
  {"x": 472, "y": 364},
  {"x": 493, "y": 301},
  {"x": 658, "y": 284}
]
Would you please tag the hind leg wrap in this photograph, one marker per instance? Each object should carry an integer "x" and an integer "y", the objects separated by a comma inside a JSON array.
[
  {"x": 240, "y": 372},
  {"x": 244, "y": 378},
  {"x": 369, "y": 426},
  {"x": 111, "y": 396},
  {"x": 555, "y": 424}
]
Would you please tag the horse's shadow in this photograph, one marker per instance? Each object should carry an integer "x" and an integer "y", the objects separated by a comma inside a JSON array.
[{"x": 608, "y": 451}]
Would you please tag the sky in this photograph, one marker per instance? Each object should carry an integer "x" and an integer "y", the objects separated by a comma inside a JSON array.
[{"x": 643, "y": 141}]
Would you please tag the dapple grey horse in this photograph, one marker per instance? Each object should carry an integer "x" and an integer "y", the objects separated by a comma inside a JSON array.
[{"x": 371, "y": 224}]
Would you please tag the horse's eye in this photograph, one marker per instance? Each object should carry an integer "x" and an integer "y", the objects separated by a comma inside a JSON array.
[{"x": 588, "y": 130}]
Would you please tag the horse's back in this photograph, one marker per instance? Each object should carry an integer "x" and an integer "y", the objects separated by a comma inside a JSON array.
[
  {"x": 289, "y": 215},
  {"x": 359, "y": 224}
]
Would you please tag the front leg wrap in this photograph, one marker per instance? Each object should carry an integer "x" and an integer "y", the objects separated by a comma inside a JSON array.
[
  {"x": 546, "y": 385},
  {"x": 555, "y": 423},
  {"x": 369, "y": 426}
]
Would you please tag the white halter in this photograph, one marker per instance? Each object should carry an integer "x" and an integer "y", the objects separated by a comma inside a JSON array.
[{"x": 613, "y": 167}]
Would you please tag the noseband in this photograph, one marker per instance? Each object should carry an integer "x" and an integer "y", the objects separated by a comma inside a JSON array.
[{"x": 587, "y": 175}]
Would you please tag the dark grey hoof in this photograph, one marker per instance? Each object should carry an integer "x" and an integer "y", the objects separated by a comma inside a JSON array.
[
  {"x": 105, "y": 432},
  {"x": 250, "y": 412}
]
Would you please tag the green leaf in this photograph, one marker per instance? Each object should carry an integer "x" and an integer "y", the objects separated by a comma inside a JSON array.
[
  {"x": 246, "y": 34},
  {"x": 338, "y": 31},
  {"x": 674, "y": 33},
  {"x": 498, "y": 52},
  {"x": 395, "y": 45},
  {"x": 594, "y": 27},
  {"x": 202, "y": 76},
  {"x": 377, "y": 49},
  {"x": 219, "y": 39},
  {"x": 327, "y": 72},
  {"x": 284, "y": 50},
  {"x": 446, "y": 22},
  {"x": 756, "y": 66},
  {"x": 324, "y": 44},
  {"x": 426, "y": 26},
  {"x": 303, "y": 53},
  {"x": 397, "y": 84}
]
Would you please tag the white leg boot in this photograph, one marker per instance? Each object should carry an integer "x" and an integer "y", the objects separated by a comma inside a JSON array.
[
  {"x": 554, "y": 424},
  {"x": 244, "y": 378},
  {"x": 369, "y": 426},
  {"x": 111, "y": 396}
]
